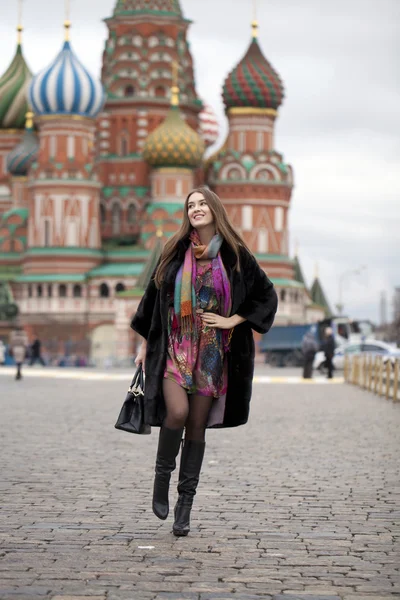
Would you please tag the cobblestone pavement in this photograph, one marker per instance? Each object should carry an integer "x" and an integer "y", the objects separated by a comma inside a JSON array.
[{"x": 302, "y": 503}]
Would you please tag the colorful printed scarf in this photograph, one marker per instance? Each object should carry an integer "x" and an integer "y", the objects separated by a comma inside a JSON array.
[{"x": 185, "y": 297}]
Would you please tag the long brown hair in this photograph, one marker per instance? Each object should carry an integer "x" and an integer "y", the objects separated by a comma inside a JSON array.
[{"x": 222, "y": 225}]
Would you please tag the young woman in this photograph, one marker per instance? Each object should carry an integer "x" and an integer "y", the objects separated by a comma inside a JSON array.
[{"x": 196, "y": 317}]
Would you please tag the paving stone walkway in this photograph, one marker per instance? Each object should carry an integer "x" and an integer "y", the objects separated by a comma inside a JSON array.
[{"x": 302, "y": 503}]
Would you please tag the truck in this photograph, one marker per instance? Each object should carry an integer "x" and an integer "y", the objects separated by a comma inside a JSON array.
[{"x": 282, "y": 344}]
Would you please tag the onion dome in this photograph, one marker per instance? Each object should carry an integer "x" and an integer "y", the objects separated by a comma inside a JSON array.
[
  {"x": 154, "y": 7},
  {"x": 66, "y": 88},
  {"x": 13, "y": 92},
  {"x": 20, "y": 159},
  {"x": 209, "y": 127},
  {"x": 253, "y": 83},
  {"x": 174, "y": 143}
]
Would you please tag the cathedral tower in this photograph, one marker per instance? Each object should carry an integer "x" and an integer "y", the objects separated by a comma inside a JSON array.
[
  {"x": 20, "y": 160},
  {"x": 13, "y": 108},
  {"x": 145, "y": 38},
  {"x": 64, "y": 233},
  {"x": 248, "y": 174},
  {"x": 174, "y": 151}
]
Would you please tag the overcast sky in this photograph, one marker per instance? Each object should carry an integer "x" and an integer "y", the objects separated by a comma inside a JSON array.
[{"x": 339, "y": 126}]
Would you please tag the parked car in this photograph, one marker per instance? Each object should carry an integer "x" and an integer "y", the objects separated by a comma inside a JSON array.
[{"x": 372, "y": 347}]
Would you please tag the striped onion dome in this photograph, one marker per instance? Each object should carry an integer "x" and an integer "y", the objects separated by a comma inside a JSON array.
[
  {"x": 253, "y": 82},
  {"x": 174, "y": 143},
  {"x": 209, "y": 127},
  {"x": 20, "y": 159},
  {"x": 66, "y": 88},
  {"x": 13, "y": 93}
]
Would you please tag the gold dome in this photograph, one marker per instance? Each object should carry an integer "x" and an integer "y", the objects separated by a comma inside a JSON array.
[{"x": 174, "y": 143}]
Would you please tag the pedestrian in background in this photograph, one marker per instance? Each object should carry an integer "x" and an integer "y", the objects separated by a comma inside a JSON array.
[
  {"x": 196, "y": 317},
  {"x": 309, "y": 348},
  {"x": 2, "y": 353},
  {"x": 18, "y": 345},
  {"x": 329, "y": 349},
  {"x": 36, "y": 353}
]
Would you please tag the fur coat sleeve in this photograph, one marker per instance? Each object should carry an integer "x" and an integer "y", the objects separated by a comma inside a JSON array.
[
  {"x": 261, "y": 301},
  {"x": 141, "y": 322}
]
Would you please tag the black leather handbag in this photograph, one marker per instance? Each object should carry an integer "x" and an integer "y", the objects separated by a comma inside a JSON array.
[{"x": 131, "y": 417}]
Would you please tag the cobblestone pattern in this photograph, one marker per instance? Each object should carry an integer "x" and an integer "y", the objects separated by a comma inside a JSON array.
[{"x": 302, "y": 503}]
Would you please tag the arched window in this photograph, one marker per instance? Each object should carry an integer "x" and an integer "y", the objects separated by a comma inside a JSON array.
[
  {"x": 160, "y": 92},
  {"x": 120, "y": 287},
  {"x": 131, "y": 214},
  {"x": 283, "y": 295},
  {"x": 62, "y": 290},
  {"x": 47, "y": 232},
  {"x": 116, "y": 219},
  {"x": 49, "y": 291},
  {"x": 30, "y": 294},
  {"x": 233, "y": 174},
  {"x": 129, "y": 91},
  {"x": 104, "y": 291},
  {"x": 103, "y": 213},
  {"x": 263, "y": 175},
  {"x": 77, "y": 291},
  {"x": 39, "y": 291},
  {"x": 124, "y": 147}
]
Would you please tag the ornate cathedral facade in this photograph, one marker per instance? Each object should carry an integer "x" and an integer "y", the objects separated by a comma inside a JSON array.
[{"x": 94, "y": 174}]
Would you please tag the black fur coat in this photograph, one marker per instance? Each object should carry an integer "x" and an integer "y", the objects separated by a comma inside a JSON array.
[{"x": 253, "y": 298}]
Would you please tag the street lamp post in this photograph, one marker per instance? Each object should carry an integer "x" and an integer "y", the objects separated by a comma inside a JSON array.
[{"x": 358, "y": 271}]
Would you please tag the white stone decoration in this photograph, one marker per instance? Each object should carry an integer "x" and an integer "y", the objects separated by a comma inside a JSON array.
[
  {"x": 247, "y": 218},
  {"x": 263, "y": 241},
  {"x": 279, "y": 214}
]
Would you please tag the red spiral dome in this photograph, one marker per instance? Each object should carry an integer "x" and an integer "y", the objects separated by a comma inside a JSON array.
[{"x": 208, "y": 126}]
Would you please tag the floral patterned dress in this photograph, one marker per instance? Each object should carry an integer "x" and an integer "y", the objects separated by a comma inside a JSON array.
[{"x": 198, "y": 363}]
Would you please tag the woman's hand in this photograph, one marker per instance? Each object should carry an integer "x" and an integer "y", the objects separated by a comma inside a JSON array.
[
  {"x": 139, "y": 360},
  {"x": 213, "y": 320}
]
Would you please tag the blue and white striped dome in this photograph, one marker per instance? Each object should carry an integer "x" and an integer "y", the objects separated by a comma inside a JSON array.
[{"x": 65, "y": 87}]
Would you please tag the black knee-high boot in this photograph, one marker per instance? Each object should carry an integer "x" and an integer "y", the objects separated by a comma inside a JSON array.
[
  {"x": 189, "y": 474},
  {"x": 168, "y": 448}
]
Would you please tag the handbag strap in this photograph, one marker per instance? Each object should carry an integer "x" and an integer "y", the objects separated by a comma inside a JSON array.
[{"x": 137, "y": 384}]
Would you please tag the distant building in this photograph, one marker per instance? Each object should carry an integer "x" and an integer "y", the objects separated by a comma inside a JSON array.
[{"x": 96, "y": 182}]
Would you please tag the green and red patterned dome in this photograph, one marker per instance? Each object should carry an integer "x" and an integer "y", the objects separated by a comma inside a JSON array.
[
  {"x": 13, "y": 93},
  {"x": 253, "y": 83},
  {"x": 163, "y": 7}
]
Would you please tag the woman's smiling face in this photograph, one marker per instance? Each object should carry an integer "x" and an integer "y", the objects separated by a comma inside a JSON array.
[{"x": 199, "y": 212}]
